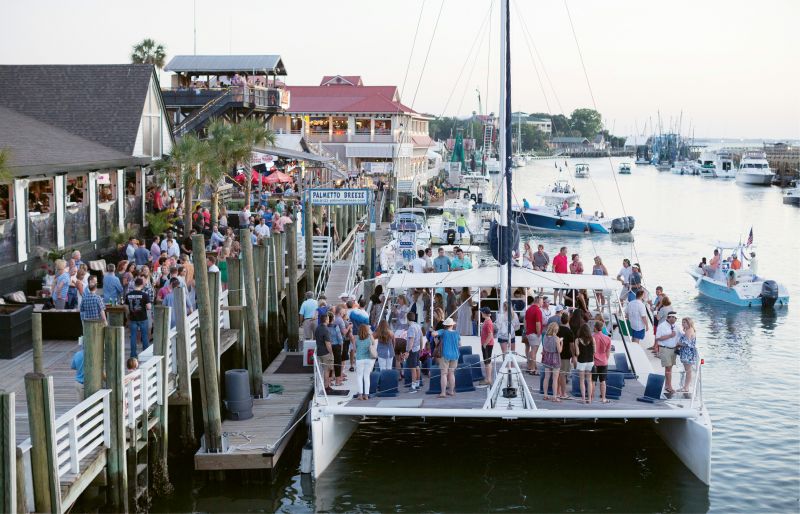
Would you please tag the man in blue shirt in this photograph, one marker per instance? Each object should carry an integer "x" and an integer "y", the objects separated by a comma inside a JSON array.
[
  {"x": 308, "y": 315},
  {"x": 77, "y": 365},
  {"x": 112, "y": 287},
  {"x": 92, "y": 306},
  {"x": 450, "y": 340},
  {"x": 141, "y": 255},
  {"x": 460, "y": 262},
  {"x": 441, "y": 264}
]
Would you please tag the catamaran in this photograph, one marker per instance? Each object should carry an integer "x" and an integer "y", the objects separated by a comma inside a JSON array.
[{"x": 636, "y": 384}]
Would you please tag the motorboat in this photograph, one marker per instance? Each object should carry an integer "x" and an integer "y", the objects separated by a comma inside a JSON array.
[
  {"x": 625, "y": 168},
  {"x": 493, "y": 166},
  {"x": 723, "y": 164},
  {"x": 642, "y": 161},
  {"x": 582, "y": 170},
  {"x": 680, "y": 419},
  {"x": 707, "y": 165},
  {"x": 664, "y": 166},
  {"x": 518, "y": 161},
  {"x": 754, "y": 169},
  {"x": 559, "y": 210},
  {"x": 410, "y": 219},
  {"x": 742, "y": 287},
  {"x": 445, "y": 229},
  {"x": 791, "y": 196},
  {"x": 684, "y": 168},
  {"x": 635, "y": 384}
]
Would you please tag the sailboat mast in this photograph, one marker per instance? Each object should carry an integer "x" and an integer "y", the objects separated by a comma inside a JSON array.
[{"x": 505, "y": 150}]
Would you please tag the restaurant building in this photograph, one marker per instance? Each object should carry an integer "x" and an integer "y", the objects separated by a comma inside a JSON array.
[
  {"x": 80, "y": 140},
  {"x": 366, "y": 127}
]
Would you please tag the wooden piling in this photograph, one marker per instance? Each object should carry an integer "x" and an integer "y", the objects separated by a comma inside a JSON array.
[
  {"x": 253, "y": 346},
  {"x": 116, "y": 315},
  {"x": 273, "y": 299},
  {"x": 161, "y": 322},
  {"x": 42, "y": 421},
  {"x": 8, "y": 453},
  {"x": 280, "y": 261},
  {"x": 184, "y": 380},
  {"x": 235, "y": 315},
  {"x": 22, "y": 497},
  {"x": 93, "y": 343},
  {"x": 36, "y": 332},
  {"x": 207, "y": 357},
  {"x": 308, "y": 227},
  {"x": 292, "y": 326},
  {"x": 116, "y": 467},
  {"x": 266, "y": 277},
  {"x": 258, "y": 269},
  {"x": 214, "y": 290}
]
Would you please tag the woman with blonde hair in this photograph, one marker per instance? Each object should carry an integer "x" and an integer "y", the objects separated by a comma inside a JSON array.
[
  {"x": 551, "y": 359},
  {"x": 61, "y": 285},
  {"x": 364, "y": 360},
  {"x": 687, "y": 351}
]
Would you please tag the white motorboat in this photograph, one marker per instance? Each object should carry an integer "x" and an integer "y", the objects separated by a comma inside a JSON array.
[
  {"x": 625, "y": 168},
  {"x": 684, "y": 168},
  {"x": 635, "y": 386},
  {"x": 791, "y": 196},
  {"x": 582, "y": 170},
  {"x": 445, "y": 229},
  {"x": 706, "y": 165},
  {"x": 743, "y": 287},
  {"x": 754, "y": 169},
  {"x": 409, "y": 218},
  {"x": 641, "y": 161},
  {"x": 723, "y": 164}
]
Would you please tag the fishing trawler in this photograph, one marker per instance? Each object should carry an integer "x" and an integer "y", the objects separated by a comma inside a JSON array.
[{"x": 636, "y": 384}]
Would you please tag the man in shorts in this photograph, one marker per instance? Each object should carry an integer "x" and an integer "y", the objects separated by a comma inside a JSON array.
[
  {"x": 324, "y": 352},
  {"x": 413, "y": 346},
  {"x": 636, "y": 312},
  {"x": 533, "y": 332},
  {"x": 487, "y": 343},
  {"x": 667, "y": 336}
]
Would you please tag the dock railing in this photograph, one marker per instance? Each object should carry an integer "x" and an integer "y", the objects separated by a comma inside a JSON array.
[
  {"x": 319, "y": 382},
  {"x": 143, "y": 390}
]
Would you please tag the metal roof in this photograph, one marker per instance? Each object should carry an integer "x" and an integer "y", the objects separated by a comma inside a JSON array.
[
  {"x": 226, "y": 64},
  {"x": 292, "y": 154}
]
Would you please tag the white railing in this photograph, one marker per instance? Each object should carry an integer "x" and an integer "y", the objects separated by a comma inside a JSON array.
[
  {"x": 143, "y": 389},
  {"x": 224, "y": 318},
  {"x": 78, "y": 432},
  {"x": 192, "y": 322},
  {"x": 352, "y": 273},
  {"x": 319, "y": 382},
  {"x": 324, "y": 273}
]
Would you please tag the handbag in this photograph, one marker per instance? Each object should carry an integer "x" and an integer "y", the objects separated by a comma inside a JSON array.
[{"x": 373, "y": 349}]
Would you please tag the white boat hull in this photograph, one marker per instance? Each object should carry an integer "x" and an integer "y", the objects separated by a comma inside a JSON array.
[
  {"x": 328, "y": 435},
  {"x": 690, "y": 440},
  {"x": 755, "y": 179}
]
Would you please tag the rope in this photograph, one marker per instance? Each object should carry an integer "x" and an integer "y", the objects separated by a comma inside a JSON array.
[
  {"x": 427, "y": 54},
  {"x": 411, "y": 54}
]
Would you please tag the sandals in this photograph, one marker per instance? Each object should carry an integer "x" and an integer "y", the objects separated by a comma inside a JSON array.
[
  {"x": 557, "y": 400},
  {"x": 605, "y": 400},
  {"x": 442, "y": 396}
]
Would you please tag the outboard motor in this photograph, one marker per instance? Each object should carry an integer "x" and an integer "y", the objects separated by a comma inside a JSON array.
[
  {"x": 480, "y": 198},
  {"x": 451, "y": 236},
  {"x": 622, "y": 225},
  {"x": 769, "y": 294},
  {"x": 473, "y": 197}
]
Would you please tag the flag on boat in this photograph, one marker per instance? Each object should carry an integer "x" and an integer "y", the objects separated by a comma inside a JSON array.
[
  {"x": 750, "y": 237},
  {"x": 555, "y": 164}
]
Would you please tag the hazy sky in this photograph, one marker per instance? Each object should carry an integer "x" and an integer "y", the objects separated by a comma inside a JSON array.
[{"x": 732, "y": 67}]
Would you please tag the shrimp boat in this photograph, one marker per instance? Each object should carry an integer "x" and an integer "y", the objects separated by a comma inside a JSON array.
[
  {"x": 636, "y": 384},
  {"x": 738, "y": 287}
]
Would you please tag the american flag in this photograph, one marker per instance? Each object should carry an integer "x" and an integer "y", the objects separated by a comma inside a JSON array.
[{"x": 750, "y": 237}]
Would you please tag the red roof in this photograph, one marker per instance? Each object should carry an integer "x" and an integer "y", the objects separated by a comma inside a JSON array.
[
  {"x": 346, "y": 98},
  {"x": 341, "y": 80}
]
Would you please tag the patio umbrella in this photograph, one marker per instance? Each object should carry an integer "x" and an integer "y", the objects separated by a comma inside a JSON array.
[{"x": 277, "y": 177}]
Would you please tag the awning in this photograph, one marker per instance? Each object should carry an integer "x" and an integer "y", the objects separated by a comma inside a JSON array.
[
  {"x": 489, "y": 277},
  {"x": 293, "y": 154}
]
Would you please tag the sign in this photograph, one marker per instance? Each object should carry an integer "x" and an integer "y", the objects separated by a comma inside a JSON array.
[
  {"x": 340, "y": 196},
  {"x": 380, "y": 168},
  {"x": 103, "y": 178},
  {"x": 261, "y": 158}
]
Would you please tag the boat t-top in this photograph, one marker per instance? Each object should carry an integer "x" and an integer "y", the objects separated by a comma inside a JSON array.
[
  {"x": 732, "y": 276},
  {"x": 582, "y": 170},
  {"x": 560, "y": 210},
  {"x": 460, "y": 223},
  {"x": 625, "y": 168},
  {"x": 412, "y": 218},
  {"x": 754, "y": 169}
]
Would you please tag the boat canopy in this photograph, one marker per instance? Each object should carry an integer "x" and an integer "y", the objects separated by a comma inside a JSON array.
[
  {"x": 729, "y": 245},
  {"x": 488, "y": 277}
]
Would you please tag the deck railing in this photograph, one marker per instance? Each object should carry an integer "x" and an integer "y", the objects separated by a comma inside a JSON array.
[{"x": 143, "y": 390}]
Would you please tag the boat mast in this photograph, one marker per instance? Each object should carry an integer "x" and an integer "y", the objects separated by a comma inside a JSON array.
[{"x": 505, "y": 151}]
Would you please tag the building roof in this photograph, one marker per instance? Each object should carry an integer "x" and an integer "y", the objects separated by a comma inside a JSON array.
[
  {"x": 341, "y": 97},
  {"x": 567, "y": 139},
  {"x": 102, "y": 103},
  {"x": 36, "y": 147},
  {"x": 287, "y": 153},
  {"x": 226, "y": 64}
]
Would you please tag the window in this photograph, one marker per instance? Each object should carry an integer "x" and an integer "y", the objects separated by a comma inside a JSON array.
[
  {"x": 6, "y": 202},
  {"x": 296, "y": 125},
  {"x": 151, "y": 125},
  {"x": 8, "y": 225},
  {"x": 383, "y": 127},
  {"x": 339, "y": 126},
  {"x": 41, "y": 215},
  {"x": 76, "y": 212},
  {"x": 363, "y": 125},
  {"x": 106, "y": 202},
  {"x": 319, "y": 125}
]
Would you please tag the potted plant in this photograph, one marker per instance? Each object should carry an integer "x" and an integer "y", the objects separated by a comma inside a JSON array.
[{"x": 15, "y": 330}]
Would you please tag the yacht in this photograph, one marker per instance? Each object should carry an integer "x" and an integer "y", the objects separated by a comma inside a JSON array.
[
  {"x": 559, "y": 210},
  {"x": 625, "y": 168},
  {"x": 754, "y": 169},
  {"x": 723, "y": 164},
  {"x": 582, "y": 170},
  {"x": 791, "y": 196},
  {"x": 410, "y": 219},
  {"x": 706, "y": 165},
  {"x": 635, "y": 386},
  {"x": 741, "y": 287}
]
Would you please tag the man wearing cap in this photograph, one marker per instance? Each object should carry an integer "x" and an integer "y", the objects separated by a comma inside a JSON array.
[
  {"x": 636, "y": 313},
  {"x": 667, "y": 337},
  {"x": 487, "y": 343},
  {"x": 308, "y": 314},
  {"x": 449, "y": 339}
]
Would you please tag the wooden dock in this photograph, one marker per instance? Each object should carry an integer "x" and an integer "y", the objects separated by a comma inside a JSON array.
[{"x": 258, "y": 442}]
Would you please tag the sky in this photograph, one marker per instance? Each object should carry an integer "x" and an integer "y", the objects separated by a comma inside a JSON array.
[{"x": 727, "y": 69}]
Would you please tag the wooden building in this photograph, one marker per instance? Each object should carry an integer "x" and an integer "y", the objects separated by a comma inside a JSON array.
[{"x": 80, "y": 141}]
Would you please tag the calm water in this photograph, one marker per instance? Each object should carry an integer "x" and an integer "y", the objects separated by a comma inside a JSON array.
[{"x": 751, "y": 384}]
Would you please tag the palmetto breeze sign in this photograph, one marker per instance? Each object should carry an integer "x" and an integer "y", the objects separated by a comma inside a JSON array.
[{"x": 340, "y": 196}]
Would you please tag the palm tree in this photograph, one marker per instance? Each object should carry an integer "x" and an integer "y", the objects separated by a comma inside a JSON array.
[
  {"x": 5, "y": 173},
  {"x": 225, "y": 151},
  {"x": 189, "y": 155},
  {"x": 149, "y": 52},
  {"x": 251, "y": 133}
]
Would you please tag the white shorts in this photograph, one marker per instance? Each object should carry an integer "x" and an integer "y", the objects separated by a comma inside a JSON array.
[
  {"x": 585, "y": 366},
  {"x": 533, "y": 339}
]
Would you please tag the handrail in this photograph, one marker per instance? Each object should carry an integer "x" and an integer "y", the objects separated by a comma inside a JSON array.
[
  {"x": 318, "y": 376},
  {"x": 698, "y": 384},
  {"x": 181, "y": 128},
  {"x": 143, "y": 389},
  {"x": 324, "y": 272}
]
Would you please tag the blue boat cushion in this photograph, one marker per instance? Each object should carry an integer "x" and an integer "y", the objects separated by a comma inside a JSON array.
[
  {"x": 464, "y": 380},
  {"x": 435, "y": 383},
  {"x": 621, "y": 365},
  {"x": 614, "y": 384},
  {"x": 374, "y": 377},
  {"x": 388, "y": 383},
  {"x": 653, "y": 388},
  {"x": 473, "y": 362},
  {"x": 462, "y": 351}
]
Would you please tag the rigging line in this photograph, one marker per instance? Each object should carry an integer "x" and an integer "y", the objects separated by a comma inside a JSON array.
[
  {"x": 594, "y": 104},
  {"x": 474, "y": 62},
  {"x": 413, "y": 45},
  {"x": 489, "y": 63},
  {"x": 541, "y": 61},
  {"x": 428, "y": 53},
  {"x": 533, "y": 61},
  {"x": 466, "y": 61}
]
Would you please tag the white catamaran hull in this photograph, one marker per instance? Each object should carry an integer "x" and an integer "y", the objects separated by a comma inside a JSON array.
[
  {"x": 690, "y": 440},
  {"x": 329, "y": 433}
]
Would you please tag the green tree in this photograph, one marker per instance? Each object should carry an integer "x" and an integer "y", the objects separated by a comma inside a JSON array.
[
  {"x": 149, "y": 52},
  {"x": 587, "y": 122},
  {"x": 251, "y": 133},
  {"x": 533, "y": 138},
  {"x": 5, "y": 173},
  {"x": 189, "y": 157},
  {"x": 227, "y": 147}
]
